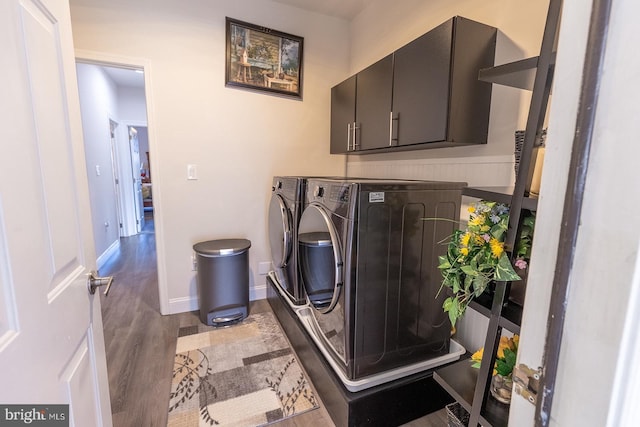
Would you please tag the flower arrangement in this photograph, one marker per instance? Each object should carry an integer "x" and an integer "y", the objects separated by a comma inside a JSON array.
[
  {"x": 476, "y": 256},
  {"x": 505, "y": 356},
  {"x": 502, "y": 380}
]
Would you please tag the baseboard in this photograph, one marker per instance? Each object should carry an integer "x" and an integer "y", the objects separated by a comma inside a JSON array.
[
  {"x": 186, "y": 304},
  {"x": 111, "y": 250},
  {"x": 182, "y": 305},
  {"x": 258, "y": 292}
]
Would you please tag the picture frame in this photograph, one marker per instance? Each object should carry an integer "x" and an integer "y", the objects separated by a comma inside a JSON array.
[{"x": 262, "y": 59}]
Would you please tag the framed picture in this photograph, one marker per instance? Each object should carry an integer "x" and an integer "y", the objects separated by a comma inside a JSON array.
[{"x": 263, "y": 59}]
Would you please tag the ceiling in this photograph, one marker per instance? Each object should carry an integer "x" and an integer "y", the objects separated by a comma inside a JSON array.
[
  {"x": 125, "y": 77},
  {"x": 346, "y": 9}
]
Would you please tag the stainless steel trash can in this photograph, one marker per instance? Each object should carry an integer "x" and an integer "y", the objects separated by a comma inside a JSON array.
[{"x": 223, "y": 280}]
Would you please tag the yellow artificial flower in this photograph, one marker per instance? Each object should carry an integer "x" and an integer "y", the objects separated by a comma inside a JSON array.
[
  {"x": 477, "y": 356},
  {"x": 496, "y": 247},
  {"x": 471, "y": 209},
  {"x": 504, "y": 343},
  {"x": 516, "y": 341},
  {"x": 465, "y": 239},
  {"x": 478, "y": 240},
  {"x": 476, "y": 221},
  {"x": 464, "y": 251}
]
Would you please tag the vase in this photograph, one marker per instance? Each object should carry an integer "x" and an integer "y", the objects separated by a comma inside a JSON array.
[{"x": 501, "y": 387}]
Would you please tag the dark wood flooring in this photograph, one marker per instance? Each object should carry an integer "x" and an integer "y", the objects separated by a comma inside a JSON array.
[{"x": 141, "y": 343}]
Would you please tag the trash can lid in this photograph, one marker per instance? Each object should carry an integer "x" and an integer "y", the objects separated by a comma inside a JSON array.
[
  {"x": 222, "y": 247},
  {"x": 316, "y": 238}
]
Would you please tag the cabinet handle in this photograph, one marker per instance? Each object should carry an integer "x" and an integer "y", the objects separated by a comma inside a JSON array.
[
  {"x": 355, "y": 136},
  {"x": 393, "y": 135},
  {"x": 348, "y": 136}
]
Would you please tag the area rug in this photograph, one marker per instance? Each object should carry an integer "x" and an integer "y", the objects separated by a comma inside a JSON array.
[{"x": 241, "y": 375}]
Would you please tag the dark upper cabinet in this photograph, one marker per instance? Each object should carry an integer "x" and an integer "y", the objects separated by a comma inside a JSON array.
[
  {"x": 360, "y": 109},
  {"x": 425, "y": 95},
  {"x": 421, "y": 87},
  {"x": 343, "y": 116},
  {"x": 373, "y": 105}
]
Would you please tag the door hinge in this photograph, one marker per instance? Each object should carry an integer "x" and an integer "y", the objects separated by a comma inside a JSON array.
[
  {"x": 526, "y": 382},
  {"x": 121, "y": 225}
]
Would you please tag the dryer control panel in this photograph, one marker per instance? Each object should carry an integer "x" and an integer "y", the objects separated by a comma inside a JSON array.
[
  {"x": 339, "y": 193},
  {"x": 332, "y": 193},
  {"x": 335, "y": 197}
]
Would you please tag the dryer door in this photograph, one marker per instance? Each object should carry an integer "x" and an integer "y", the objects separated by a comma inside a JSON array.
[
  {"x": 280, "y": 231},
  {"x": 320, "y": 258}
]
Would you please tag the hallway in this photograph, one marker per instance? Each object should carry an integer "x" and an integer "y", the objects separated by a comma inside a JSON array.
[{"x": 139, "y": 341}]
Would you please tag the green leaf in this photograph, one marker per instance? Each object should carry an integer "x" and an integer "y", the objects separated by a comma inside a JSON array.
[
  {"x": 505, "y": 365},
  {"x": 529, "y": 221},
  {"x": 453, "y": 312},
  {"x": 510, "y": 357},
  {"x": 502, "y": 368},
  {"x": 504, "y": 270},
  {"x": 453, "y": 308},
  {"x": 444, "y": 262},
  {"x": 446, "y": 305},
  {"x": 480, "y": 284},
  {"x": 469, "y": 270},
  {"x": 468, "y": 283},
  {"x": 455, "y": 284}
]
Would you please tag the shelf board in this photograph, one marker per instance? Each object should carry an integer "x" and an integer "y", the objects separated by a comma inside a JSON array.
[
  {"x": 500, "y": 195},
  {"x": 519, "y": 74},
  {"x": 459, "y": 380},
  {"x": 511, "y": 313}
]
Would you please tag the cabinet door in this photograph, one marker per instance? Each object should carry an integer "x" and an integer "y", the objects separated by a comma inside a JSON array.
[
  {"x": 421, "y": 85},
  {"x": 474, "y": 49},
  {"x": 343, "y": 115},
  {"x": 373, "y": 104}
]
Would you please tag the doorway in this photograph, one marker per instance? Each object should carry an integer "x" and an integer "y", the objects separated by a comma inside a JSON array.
[
  {"x": 114, "y": 108},
  {"x": 113, "y": 102}
]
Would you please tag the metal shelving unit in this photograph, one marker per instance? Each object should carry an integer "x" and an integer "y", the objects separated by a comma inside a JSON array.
[
  {"x": 500, "y": 195},
  {"x": 470, "y": 386}
]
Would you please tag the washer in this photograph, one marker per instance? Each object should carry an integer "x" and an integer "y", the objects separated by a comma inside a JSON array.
[
  {"x": 368, "y": 261},
  {"x": 285, "y": 209}
]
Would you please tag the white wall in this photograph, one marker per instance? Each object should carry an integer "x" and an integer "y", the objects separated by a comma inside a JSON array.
[
  {"x": 238, "y": 139},
  {"x": 132, "y": 104},
  {"x": 385, "y": 26},
  {"x": 98, "y": 103}
]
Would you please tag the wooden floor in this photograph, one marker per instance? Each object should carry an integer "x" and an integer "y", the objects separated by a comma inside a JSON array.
[{"x": 141, "y": 343}]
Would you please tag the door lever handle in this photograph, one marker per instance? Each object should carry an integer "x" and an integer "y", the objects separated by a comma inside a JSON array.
[{"x": 93, "y": 281}]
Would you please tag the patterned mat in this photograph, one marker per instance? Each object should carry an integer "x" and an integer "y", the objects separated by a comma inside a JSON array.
[{"x": 241, "y": 375}]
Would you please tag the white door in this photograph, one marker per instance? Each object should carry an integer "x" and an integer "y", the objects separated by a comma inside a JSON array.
[
  {"x": 136, "y": 168},
  {"x": 114, "y": 171},
  {"x": 51, "y": 338}
]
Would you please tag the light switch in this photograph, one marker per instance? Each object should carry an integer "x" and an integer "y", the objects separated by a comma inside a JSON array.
[
  {"x": 192, "y": 172},
  {"x": 98, "y": 170}
]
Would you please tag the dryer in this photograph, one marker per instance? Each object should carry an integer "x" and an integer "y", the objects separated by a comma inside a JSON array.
[
  {"x": 368, "y": 261},
  {"x": 285, "y": 209}
]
